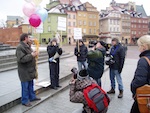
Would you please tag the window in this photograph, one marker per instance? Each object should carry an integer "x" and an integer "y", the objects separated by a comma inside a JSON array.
[
  {"x": 90, "y": 31},
  {"x": 82, "y": 8},
  {"x": 49, "y": 28},
  {"x": 69, "y": 30},
  {"x": 69, "y": 8},
  {"x": 110, "y": 29},
  {"x": 74, "y": 16},
  {"x": 114, "y": 22},
  {"x": 94, "y": 31},
  {"x": 69, "y": 23},
  {"x": 110, "y": 21},
  {"x": 80, "y": 22},
  {"x": 84, "y": 30},
  {"x": 90, "y": 23},
  {"x": 94, "y": 24},
  {"x": 139, "y": 21},
  {"x": 74, "y": 24},
  {"x": 69, "y": 16},
  {"x": 114, "y": 29},
  {"x": 117, "y": 22},
  {"x": 117, "y": 29},
  {"x": 84, "y": 22},
  {"x": 43, "y": 40},
  {"x": 49, "y": 19},
  {"x": 73, "y": 9}
]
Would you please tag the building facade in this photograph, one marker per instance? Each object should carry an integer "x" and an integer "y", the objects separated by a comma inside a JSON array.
[{"x": 13, "y": 20}]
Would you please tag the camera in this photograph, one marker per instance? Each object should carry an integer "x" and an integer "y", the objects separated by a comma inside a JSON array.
[
  {"x": 92, "y": 44},
  {"x": 109, "y": 60},
  {"x": 75, "y": 72}
]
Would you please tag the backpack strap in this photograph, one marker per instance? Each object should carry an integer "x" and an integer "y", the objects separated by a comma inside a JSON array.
[{"x": 148, "y": 61}]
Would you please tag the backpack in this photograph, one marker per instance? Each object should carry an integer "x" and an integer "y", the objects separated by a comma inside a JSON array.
[
  {"x": 143, "y": 96},
  {"x": 96, "y": 98}
]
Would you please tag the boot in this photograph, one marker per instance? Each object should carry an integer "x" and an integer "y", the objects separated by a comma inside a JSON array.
[
  {"x": 112, "y": 91},
  {"x": 120, "y": 94}
]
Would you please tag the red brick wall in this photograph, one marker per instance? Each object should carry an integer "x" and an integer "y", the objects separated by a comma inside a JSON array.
[
  {"x": 10, "y": 35},
  {"x": 139, "y": 27}
]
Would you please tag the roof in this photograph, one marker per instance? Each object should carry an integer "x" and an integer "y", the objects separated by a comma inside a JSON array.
[
  {"x": 140, "y": 9},
  {"x": 14, "y": 17}
]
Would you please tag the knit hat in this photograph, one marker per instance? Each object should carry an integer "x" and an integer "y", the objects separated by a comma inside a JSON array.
[{"x": 82, "y": 74}]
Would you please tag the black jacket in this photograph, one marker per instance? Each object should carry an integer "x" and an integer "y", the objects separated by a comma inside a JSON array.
[
  {"x": 118, "y": 54},
  {"x": 82, "y": 55},
  {"x": 142, "y": 72},
  {"x": 51, "y": 50}
]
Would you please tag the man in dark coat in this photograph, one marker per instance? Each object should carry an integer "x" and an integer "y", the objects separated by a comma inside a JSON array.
[
  {"x": 81, "y": 55},
  {"x": 52, "y": 49},
  {"x": 118, "y": 53},
  {"x": 26, "y": 69},
  {"x": 96, "y": 62}
]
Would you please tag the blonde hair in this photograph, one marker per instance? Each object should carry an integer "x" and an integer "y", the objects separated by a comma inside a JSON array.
[{"x": 144, "y": 41}]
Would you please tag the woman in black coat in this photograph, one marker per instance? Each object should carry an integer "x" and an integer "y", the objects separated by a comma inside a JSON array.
[
  {"x": 53, "y": 49},
  {"x": 142, "y": 73}
]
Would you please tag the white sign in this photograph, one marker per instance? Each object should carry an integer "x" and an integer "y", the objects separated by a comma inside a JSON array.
[
  {"x": 61, "y": 23},
  {"x": 39, "y": 29},
  {"x": 77, "y": 33}
]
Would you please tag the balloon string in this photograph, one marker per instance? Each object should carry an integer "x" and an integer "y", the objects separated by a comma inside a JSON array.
[{"x": 36, "y": 42}]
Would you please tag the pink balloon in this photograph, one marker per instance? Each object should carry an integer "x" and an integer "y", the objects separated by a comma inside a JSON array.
[
  {"x": 29, "y": 9},
  {"x": 35, "y": 20}
]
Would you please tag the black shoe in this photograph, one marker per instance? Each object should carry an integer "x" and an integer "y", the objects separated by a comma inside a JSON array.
[
  {"x": 112, "y": 91},
  {"x": 36, "y": 99},
  {"x": 52, "y": 87},
  {"x": 120, "y": 94},
  {"x": 27, "y": 104},
  {"x": 59, "y": 86}
]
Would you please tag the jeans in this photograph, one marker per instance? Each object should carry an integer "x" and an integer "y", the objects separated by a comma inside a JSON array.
[
  {"x": 80, "y": 64},
  {"x": 28, "y": 93},
  {"x": 114, "y": 73}
]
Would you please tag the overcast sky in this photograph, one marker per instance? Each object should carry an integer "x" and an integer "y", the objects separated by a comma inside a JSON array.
[{"x": 14, "y": 7}]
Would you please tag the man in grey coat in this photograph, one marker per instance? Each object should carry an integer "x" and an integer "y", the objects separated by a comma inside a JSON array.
[{"x": 26, "y": 69}]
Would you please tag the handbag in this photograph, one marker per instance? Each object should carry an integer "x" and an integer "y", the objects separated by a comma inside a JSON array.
[{"x": 143, "y": 95}]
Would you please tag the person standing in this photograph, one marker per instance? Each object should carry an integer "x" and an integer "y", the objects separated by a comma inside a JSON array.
[
  {"x": 95, "y": 59},
  {"x": 52, "y": 49},
  {"x": 26, "y": 69},
  {"x": 81, "y": 55},
  {"x": 118, "y": 53},
  {"x": 142, "y": 73}
]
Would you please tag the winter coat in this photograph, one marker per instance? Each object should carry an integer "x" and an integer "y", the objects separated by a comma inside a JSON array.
[
  {"x": 82, "y": 55},
  {"x": 95, "y": 61},
  {"x": 142, "y": 72},
  {"x": 51, "y": 50},
  {"x": 76, "y": 92},
  {"x": 26, "y": 62},
  {"x": 118, "y": 54}
]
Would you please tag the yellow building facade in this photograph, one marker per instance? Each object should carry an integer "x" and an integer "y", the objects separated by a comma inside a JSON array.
[{"x": 88, "y": 20}]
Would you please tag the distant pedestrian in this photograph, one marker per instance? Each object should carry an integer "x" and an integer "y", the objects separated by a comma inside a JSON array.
[
  {"x": 95, "y": 59},
  {"x": 142, "y": 73},
  {"x": 118, "y": 54},
  {"x": 81, "y": 54},
  {"x": 52, "y": 50},
  {"x": 26, "y": 69}
]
